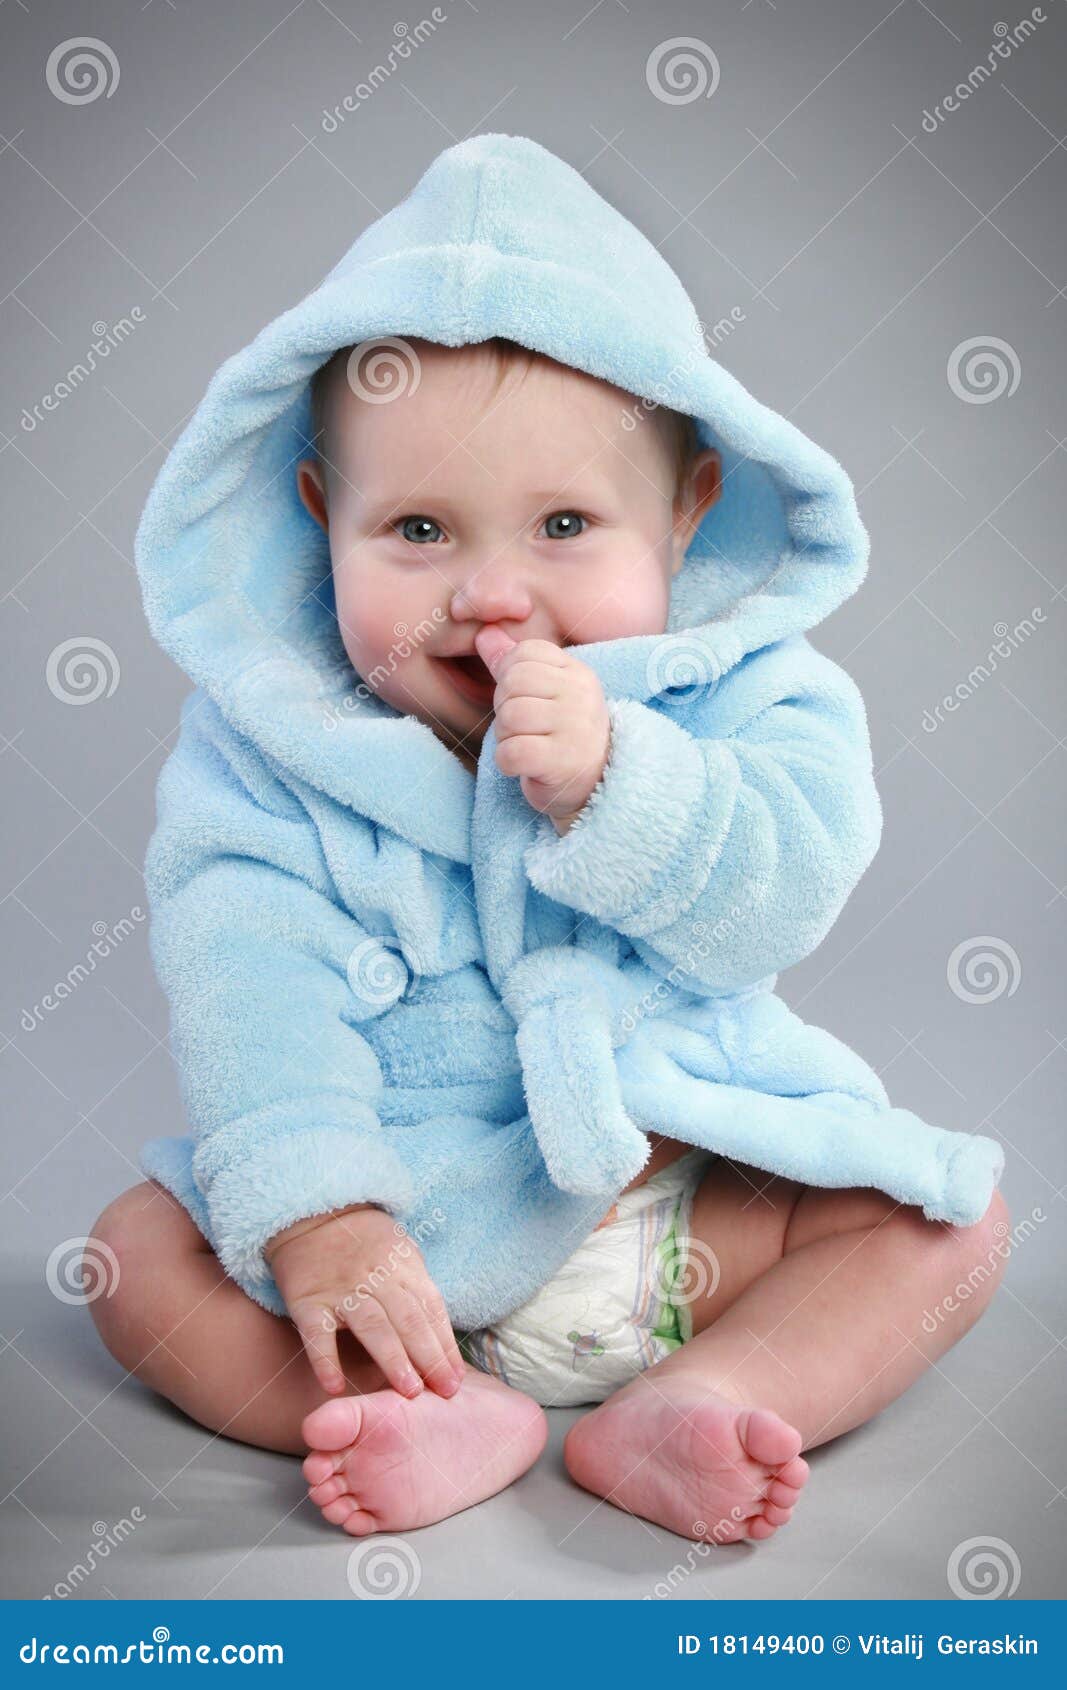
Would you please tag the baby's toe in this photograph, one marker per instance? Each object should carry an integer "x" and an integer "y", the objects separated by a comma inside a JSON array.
[
  {"x": 333, "y": 1424},
  {"x": 318, "y": 1467},
  {"x": 794, "y": 1473},
  {"x": 337, "y": 1512},
  {"x": 361, "y": 1524},
  {"x": 768, "y": 1438},
  {"x": 775, "y": 1516},
  {"x": 780, "y": 1495},
  {"x": 328, "y": 1491},
  {"x": 760, "y": 1528}
]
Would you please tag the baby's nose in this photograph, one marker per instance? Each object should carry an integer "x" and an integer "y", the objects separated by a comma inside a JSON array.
[{"x": 492, "y": 594}]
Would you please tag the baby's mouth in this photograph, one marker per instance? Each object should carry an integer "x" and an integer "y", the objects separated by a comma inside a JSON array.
[{"x": 470, "y": 676}]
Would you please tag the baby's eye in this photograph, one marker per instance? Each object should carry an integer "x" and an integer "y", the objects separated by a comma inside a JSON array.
[
  {"x": 419, "y": 529},
  {"x": 566, "y": 525}
]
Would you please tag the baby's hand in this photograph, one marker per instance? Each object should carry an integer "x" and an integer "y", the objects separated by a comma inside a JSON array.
[
  {"x": 551, "y": 718},
  {"x": 352, "y": 1269}
]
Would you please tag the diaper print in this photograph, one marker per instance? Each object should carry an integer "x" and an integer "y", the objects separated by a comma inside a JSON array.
[{"x": 585, "y": 1346}]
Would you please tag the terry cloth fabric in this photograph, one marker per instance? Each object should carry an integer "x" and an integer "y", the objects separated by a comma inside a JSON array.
[
  {"x": 390, "y": 981},
  {"x": 618, "y": 1305}
]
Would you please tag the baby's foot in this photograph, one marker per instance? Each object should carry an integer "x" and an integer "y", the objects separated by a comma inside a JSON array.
[
  {"x": 383, "y": 1462},
  {"x": 705, "y": 1467}
]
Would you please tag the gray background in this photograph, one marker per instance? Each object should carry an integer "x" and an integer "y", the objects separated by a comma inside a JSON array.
[{"x": 863, "y": 252}]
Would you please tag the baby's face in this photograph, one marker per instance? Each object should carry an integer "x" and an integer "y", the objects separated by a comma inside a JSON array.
[{"x": 452, "y": 506}]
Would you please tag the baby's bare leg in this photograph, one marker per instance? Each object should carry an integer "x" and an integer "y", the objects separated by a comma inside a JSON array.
[
  {"x": 821, "y": 1308},
  {"x": 850, "y": 1311},
  {"x": 179, "y": 1323}
]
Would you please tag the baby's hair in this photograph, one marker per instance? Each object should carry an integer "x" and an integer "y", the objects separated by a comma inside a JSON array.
[{"x": 677, "y": 430}]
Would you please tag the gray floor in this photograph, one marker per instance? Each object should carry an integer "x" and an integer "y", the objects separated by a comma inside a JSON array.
[{"x": 966, "y": 1454}]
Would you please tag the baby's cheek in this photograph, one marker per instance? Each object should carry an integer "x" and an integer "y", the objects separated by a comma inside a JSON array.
[
  {"x": 634, "y": 600},
  {"x": 376, "y": 620},
  {"x": 374, "y": 624}
]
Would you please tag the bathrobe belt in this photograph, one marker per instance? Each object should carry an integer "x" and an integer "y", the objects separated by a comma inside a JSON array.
[{"x": 571, "y": 1011}]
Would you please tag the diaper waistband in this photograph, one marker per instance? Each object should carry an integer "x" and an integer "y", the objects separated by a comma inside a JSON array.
[{"x": 677, "y": 1178}]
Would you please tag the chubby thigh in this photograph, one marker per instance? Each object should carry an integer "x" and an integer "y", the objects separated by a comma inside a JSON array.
[{"x": 743, "y": 1221}]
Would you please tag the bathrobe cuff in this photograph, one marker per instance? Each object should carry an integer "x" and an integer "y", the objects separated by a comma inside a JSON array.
[
  {"x": 284, "y": 1165},
  {"x": 644, "y": 828}
]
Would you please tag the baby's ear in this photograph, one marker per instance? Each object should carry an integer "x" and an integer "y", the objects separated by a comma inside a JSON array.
[
  {"x": 309, "y": 485},
  {"x": 701, "y": 486}
]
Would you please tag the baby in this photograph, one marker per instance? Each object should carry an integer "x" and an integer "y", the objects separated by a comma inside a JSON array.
[{"x": 516, "y": 508}]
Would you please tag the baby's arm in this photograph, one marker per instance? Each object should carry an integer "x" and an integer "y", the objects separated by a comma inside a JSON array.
[
  {"x": 251, "y": 947},
  {"x": 726, "y": 849}
]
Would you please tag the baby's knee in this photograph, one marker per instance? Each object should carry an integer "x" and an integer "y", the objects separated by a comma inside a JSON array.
[
  {"x": 140, "y": 1240},
  {"x": 987, "y": 1244},
  {"x": 973, "y": 1262}
]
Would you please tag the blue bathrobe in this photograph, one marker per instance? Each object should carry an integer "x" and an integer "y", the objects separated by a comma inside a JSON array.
[{"x": 389, "y": 979}]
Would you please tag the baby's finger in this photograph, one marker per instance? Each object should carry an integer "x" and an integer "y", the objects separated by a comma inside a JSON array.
[
  {"x": 368, "y": 1322},
  {"x": 529, "y": 677},
  {"x": 540, "y": 651},
  {"x": 492, "y": 645},
  {"x": 317, "y": 1329},
  {"x": 526, "y": 715},
  {"x": 412, "y": 1319},
  {"x": 434, "y": 1304},
  {"x": 528, "y": 754}
]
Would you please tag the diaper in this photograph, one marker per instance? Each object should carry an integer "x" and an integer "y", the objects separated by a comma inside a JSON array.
[{"x": 618, "y": 1305}]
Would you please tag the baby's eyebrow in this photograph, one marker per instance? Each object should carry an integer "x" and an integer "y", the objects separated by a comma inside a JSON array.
[
  {"x": 573, "y": 492},
  {"x": 588, "y": 490},
  {"x": 379, "y": 505}
]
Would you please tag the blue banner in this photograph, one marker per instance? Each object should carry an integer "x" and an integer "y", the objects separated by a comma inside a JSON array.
[{"x": 691, "y": 1643}]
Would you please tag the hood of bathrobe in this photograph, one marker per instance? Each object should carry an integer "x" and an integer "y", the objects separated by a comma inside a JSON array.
[{"x": 498, "y": 237}]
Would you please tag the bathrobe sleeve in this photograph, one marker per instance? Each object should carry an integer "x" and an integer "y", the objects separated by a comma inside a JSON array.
[
  {"x": 725, "y": 849},
  {"x": 252, "y": 949}
]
